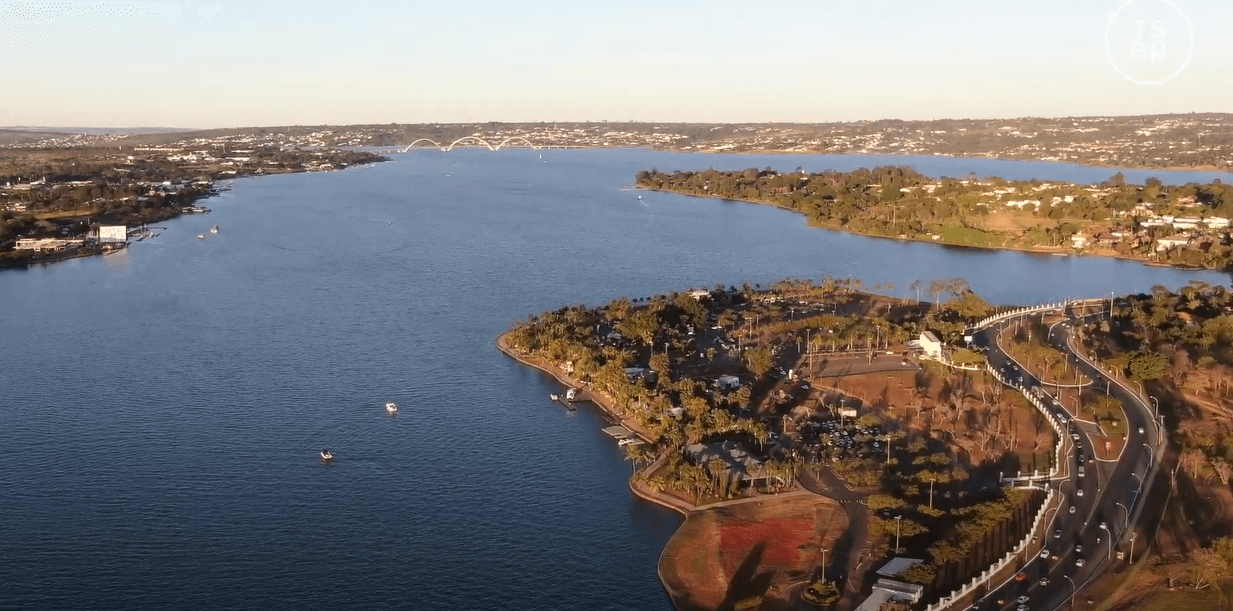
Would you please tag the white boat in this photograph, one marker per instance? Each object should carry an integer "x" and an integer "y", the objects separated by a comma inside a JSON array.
[
  {"x": 570, "y": 394},
  {"x": 629, "y": 441},
  {"x": 327, "y": 455},
  {"x": 214, "y": 229},
  {"x": 554, "y": 397},
  {"x": 201, "y": 236},
  {"x": 391, "y": 407}
]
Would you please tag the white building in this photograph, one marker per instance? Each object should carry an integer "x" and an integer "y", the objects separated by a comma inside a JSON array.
[
  {"x": 931, "y": 345},
  {"x": 111, "y": 234}
]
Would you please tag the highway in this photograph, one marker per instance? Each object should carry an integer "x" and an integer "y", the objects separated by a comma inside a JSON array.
[{"x": 1085, "y": 532}]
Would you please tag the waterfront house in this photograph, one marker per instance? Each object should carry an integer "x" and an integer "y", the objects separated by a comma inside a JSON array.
[{"x": 1172, "y": 242}]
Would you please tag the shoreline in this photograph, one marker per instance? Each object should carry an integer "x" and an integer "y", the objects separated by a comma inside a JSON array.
[
  {"x": 26, "y": 264},
  {"x": 1115, "y": 168},
  {"x": 1040, "y": 250}
]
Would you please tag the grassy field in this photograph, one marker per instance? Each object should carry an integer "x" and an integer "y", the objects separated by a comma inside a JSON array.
[{"x": 967, "y": 236}]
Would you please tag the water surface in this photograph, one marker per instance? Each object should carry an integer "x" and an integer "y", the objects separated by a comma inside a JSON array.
[{"x": 162, "y": 408}]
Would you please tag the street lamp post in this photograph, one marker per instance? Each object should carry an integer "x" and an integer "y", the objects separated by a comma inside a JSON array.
[
  {"x": 1140, "y": 478},
  {"x": 898, "y": 522},
  {"x": 1150, "y": 456},
  {"x": 824, "y": 563},
  {"x": 1126, "y": 522},
  {"x": 1109, "y": 548},
  {"x": 1132, "y": 548},
  {"x": 1072, "y": 590}
]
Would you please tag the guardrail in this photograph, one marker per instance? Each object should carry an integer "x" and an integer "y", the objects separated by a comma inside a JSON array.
[
  {"x": 987, "y": 574},
  {"x": 994, "y": 569},
  {"x": 1008, "y": 314}
]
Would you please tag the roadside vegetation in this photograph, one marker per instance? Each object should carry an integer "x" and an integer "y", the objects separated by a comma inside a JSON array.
[{"x": 1178, "y": 347}]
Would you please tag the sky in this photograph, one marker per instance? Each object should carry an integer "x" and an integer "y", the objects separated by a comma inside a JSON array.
[{"x": 226, "y": 63}]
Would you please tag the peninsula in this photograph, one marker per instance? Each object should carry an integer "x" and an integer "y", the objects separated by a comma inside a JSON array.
[
  {"x": 53, "y": 201},
  {"x": 1185, "y": 225},
  {"x": 831, "y": 446}
]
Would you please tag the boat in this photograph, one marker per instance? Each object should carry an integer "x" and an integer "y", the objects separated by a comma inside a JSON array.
[
  {"x": 391, "y": 407},
  {"x": 327, "y": 455},
  {"x": 571, "y": 394},
  {"x": 629, "y": 441},
  {"x": 214, "y": 229},
  {"x": 554, "y": 397}
]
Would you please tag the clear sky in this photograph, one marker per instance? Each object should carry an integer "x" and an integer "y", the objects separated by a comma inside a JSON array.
[{"x": 266, "y": 62}]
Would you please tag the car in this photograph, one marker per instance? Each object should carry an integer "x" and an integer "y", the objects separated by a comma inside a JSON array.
[
  {"x": 1104, "y": 526},
  {"x": 1021, "y": 599},
  {"x": 1079, "y": 492},
  {"x": 1062, "y": 418},
  {"x": 1019, "y": 577},
  {"x": 1074, "y": 436},
  {"x": 1072, "y": 509},
  {"x": 1057, "y": 534},
  {"x": 1078, "y": 548},
  {"x": 1079, "y": 562},
  {"x": 1044, "y": 553},
  {"x": 1044, "y": 581},
  {"x": 1140, "y": 430},
  {"x": 1021, "y": 608}
]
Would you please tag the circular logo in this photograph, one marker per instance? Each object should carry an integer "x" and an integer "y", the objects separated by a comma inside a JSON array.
[{"x": 1149, "y": 41}]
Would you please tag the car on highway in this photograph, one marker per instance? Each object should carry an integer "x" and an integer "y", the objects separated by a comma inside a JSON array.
[
  {"x": 1104, "y": 526},
  {"x": 1140, "y": 430},
  {"x": 1044, "y": 581},
  {"x": 1022, "y": 599},
  {"x": 1020, "y": 576},
  {"x": 1074, "y": 436},
  {"x": 1044, "y": 553},
  {"x": 1021, "y": 608},
  {"x": 1057, "y": 534},
  {"x": 1079, "y": 562},
  {"x": 1079, "y": 492},
  {"x": 1072, "y": 509},
  {"x": 1078, "y": 548},
  {"x": 1062, "y": 418}
]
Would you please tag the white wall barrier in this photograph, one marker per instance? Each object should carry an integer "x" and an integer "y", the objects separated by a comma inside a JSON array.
[{"x": 1010, "y": 556}]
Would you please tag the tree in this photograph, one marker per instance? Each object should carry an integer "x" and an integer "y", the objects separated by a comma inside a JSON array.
[
  {"x": 1146, "y": 365},
  {"x": 916, "y": 286},
  {"x": 759, "y": 360}
]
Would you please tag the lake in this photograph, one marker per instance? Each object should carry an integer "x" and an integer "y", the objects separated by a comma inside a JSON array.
[{"x": 162, "y": 409}]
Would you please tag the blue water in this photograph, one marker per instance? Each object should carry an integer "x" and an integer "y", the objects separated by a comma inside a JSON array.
[{"x": 161, "y": 409}]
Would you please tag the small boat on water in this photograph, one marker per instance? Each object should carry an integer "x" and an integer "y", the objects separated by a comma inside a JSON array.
[
  {"x": 214, "y": 229},
  {"x": 555, "y": 397},
  {"x": 629, "y": 441},
  {"x": 201, "y": 236},
  {"x": 571, "y": 394},
  {"x": 327, "y": 455},
  {"x": 391, "y": 407}
]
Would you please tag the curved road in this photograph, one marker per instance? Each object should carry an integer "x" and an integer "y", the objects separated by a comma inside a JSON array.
[{"x": 1105, "y": 500}]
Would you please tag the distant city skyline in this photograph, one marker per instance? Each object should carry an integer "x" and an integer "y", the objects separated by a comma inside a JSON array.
[{"x": 232, "y": 64}]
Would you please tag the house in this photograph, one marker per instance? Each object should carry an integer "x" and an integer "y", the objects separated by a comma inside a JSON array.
[
  {"x": 1078, "y": 240},
  {"x": 931, "y": 345},
  {"x": 728, "y": 382},
  {"x": 700, "y": 294},
  {"x": 1216, "y": 222},
  {"x": 1172, "y": 242}
]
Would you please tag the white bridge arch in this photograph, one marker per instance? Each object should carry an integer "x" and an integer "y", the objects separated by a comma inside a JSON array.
[{"x": 477, "y": 140}]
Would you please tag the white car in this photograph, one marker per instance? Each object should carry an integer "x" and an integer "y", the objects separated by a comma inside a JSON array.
[
  {"x": 1072, "y": 509},
  {"x": 1044, "y": 553},
  {"x": 1079, "y": 492},
  {"x": 1140, "y": 430},
  {"x": 1078, "y": 562},
  {"x": 1078, "y": 548},
  {"x": 1074, "y": 436},
  {"x": 1021, "y": 599}
]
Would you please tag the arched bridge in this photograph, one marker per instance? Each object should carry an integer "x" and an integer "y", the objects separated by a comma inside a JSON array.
[{"x": 477, "y": 141}]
